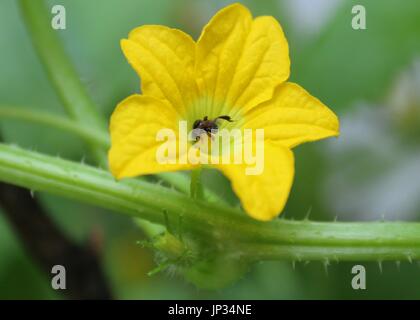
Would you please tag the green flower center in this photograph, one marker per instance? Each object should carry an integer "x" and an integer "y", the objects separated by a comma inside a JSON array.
[{"x": 208, "y": 126}]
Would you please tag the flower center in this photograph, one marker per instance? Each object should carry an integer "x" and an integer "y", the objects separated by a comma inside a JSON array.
[{"x": 207, "y": 126}]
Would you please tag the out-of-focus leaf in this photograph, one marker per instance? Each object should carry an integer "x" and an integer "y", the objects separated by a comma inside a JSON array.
[{"x": 343, "y": 65}]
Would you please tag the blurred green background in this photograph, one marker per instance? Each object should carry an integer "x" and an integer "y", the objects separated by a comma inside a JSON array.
[{"x": 370, "y": 78}]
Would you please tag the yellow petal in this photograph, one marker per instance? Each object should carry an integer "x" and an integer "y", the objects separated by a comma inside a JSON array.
[
  {"x": 293, "y": 117},
  {"x": 240, "y": 60},
  {"x": 263, "y": 196},
  {"x": 134, "y": 127},
  {"x": 164, "y": 58}
]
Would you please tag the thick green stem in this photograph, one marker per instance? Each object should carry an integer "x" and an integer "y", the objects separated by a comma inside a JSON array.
[
  {"x": 240, "y": 235},
  {"x": 333, "y": 253}
]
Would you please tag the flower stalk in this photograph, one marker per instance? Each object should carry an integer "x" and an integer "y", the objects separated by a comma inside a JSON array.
[{"x": 196, "y": 188}]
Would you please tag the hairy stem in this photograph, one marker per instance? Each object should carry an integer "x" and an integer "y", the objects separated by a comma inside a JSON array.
[{"x": 252, "y": 240}]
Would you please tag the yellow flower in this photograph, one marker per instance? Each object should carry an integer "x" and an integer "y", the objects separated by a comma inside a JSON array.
[{"x": 237, "y": 68}]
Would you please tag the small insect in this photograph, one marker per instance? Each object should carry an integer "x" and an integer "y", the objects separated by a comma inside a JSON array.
[{"x": 207, "y": 125}]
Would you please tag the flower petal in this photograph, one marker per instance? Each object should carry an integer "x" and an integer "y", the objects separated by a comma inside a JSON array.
[
  {"x": 293, "y": 117},
  {"x": 164, "y": 58},
  {"x": 240, "y": 60},
  {"x": 263, "y": 196},
  {"x": 134, "y": 127}
]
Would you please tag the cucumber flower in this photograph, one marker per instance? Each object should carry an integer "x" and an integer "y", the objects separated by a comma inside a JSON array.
[{"x": 233, "y": 77}]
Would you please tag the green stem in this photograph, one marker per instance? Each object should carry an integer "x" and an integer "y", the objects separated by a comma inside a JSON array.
[
  {"x": 92, "y": 136},
  {"x": 334, "y": 252},
  {"x": 240, "y": 235},
  {"x": 60, "y": 70},
  {"x": 182, "y": 182},
  {"x": 196, "y": 188}
]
